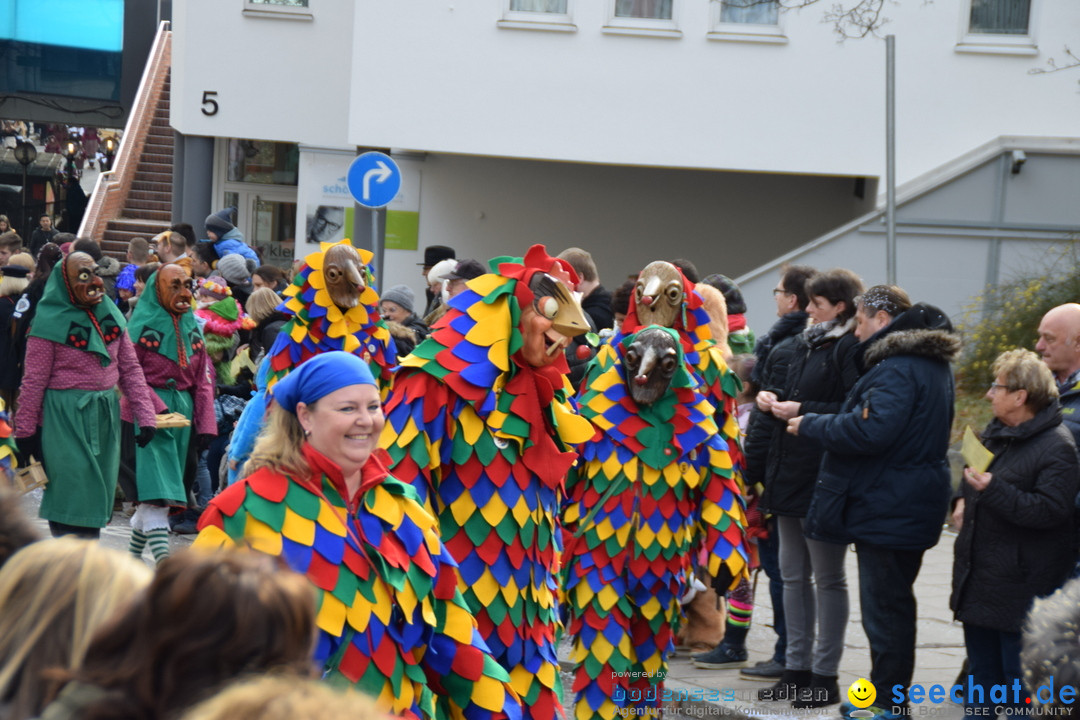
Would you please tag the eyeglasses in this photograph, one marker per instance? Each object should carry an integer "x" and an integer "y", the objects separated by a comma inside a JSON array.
[
  {"x": 780, "y": 291},
  {"x": 994, "y": 387}
]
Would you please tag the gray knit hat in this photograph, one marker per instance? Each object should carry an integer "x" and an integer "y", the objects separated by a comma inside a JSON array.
[
  {"x": 219, "y": 222},
  {"x": 233, "y": 267},
  {"x": 401, "y": 295}
]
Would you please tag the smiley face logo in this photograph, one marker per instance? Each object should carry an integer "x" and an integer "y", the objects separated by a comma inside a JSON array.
[{"x": 862, "y": 693}]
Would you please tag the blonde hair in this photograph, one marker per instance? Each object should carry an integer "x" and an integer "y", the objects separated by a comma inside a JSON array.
[
  {"x": 23, "y": 260},
  {"x": 54, "y": 595},
  {"x": 278, "y": 446},
  {"x": 1024, "y": 370},
  {"x": 262, "y": 303},
  {"x": 285, "y": 697},
  {"x": 716, "y": 306},
  {"x": 11, "y": 286}
]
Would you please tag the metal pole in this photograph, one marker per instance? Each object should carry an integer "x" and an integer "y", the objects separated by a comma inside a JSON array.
[
  {"x": 890, "y": 159},
  {"x": 25, "y": 214},
  {"x": 376, "y": 248}
]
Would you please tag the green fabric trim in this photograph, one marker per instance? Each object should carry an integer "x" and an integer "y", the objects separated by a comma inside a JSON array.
[
  {"x": 58, "y": 320},
  {"x": 152, "y": 327}
]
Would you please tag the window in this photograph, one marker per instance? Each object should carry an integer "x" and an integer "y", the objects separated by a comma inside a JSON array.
[
  {"x": 750, "y": 11},
  {"x": 1000, "y": 27},
  {"x": 746, "y": 21},
  {"x": 268, "y": 163},
  {"x": 654, "y": 9},
  {"x": 643, "y": 17},
  {"x": 538, "y": 6},
  {"x": 284, "y": 9},
  {"x": 537, "y": 15},
  {"x": 999, "y": 17}
]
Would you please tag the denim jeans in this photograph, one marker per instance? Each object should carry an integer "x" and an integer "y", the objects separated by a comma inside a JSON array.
[
  {"x": 886, "y": 579},
  {"x": 769, "y": 555},
  {"x": 993, "y": 659}
]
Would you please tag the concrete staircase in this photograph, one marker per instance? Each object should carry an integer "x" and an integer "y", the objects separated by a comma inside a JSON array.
[{"x": 148, "y": 210}]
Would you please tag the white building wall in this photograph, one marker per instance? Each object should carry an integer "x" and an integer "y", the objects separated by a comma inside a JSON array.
[
  {"x": 276, "y": 79},
  {"x": 456, "y": 82},
  {"x": 626, "y": 217}
]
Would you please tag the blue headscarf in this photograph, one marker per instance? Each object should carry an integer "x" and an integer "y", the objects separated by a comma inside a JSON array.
[{"x": 320, "y": 376}]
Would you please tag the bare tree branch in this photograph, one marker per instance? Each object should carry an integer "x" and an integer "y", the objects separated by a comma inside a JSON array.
[{"x": 1052, "y": 65}]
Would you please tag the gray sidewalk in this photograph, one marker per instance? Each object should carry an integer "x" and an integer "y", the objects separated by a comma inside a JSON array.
[{"x": 938, "y": 657}]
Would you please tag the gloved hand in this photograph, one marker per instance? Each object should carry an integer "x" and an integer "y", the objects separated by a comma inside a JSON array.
[
  {"x": 146, "y": 434},
  {"x": 203, "y": 440},
  {"x": 27, "y": 447}
]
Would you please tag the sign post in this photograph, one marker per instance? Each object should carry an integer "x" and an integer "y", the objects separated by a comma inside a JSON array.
[{"x": 374, "y": 180}]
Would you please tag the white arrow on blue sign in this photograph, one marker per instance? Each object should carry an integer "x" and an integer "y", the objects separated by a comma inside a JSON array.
[{"x": 374, "y": 179}]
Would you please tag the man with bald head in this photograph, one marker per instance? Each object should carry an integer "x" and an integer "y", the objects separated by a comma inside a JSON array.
[{"x": 1059, "y": 345}]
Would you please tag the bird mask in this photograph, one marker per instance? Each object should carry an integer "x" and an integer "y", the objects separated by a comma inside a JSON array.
[
  {"x": 343, "y": 272},
  {"x": 651, "y": 362},
  {"x": 659, "y": 294}
]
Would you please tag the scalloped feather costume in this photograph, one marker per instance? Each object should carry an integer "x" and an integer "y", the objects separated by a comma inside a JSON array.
[
  {"x": 654, "y": 488},
  {"x": 390, "y": 618},
  {"x": 318, "y": 325},
  {"x": 488, "y": 440}
]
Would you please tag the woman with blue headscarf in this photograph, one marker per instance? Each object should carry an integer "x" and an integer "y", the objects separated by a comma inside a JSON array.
[{"x": 391, "y": 620}]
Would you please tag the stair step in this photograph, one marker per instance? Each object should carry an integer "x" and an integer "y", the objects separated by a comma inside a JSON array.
[
  {"x": 154, "y": 177},
  {"x": 151, "y": 158},
  {"x": 138, "y": 226},
  {"x": 140, "y": 214},
  {"x": 141, "y": 184},
  {"x": 153, "y": 196},
  {"x": 142, "y": 203},
  {"x": 115, "y": 248}
]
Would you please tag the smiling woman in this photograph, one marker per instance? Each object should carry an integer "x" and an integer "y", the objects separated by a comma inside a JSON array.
[{"x": 320, "y": 498}]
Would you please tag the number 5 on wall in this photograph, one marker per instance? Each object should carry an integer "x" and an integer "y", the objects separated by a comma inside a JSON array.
[{"x": 210, "y": 105}]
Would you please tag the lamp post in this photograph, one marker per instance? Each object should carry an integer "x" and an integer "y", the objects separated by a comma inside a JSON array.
[
  {"x": 111, "y": 146},
  {"x": 25, "y": 153}
]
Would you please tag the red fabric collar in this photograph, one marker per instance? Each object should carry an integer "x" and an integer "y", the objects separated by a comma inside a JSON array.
[
  {"x": 736, "y": 322},
  {"x": 372, "y": 473}
]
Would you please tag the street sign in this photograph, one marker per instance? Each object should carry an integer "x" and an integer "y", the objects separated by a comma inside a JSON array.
[{"x": 374, "y": 179}]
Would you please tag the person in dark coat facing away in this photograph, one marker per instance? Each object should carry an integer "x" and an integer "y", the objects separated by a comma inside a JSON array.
[
  {"x": 884, "y": 479},
  {"x": 1015, "y": 541}
]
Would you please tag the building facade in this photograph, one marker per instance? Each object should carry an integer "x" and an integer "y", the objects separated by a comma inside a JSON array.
[{"x": 636, "y": 129}]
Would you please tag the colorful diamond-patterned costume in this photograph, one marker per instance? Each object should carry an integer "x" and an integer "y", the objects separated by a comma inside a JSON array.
[
  {"x": 391, "y": 620},
  {"x": 654, "y": 489},
  {"x": 486, "y": 436},
  {"x": 319, "y": 299},
  {"x": 321, "y": 321},
  {"x": 721, "y": 385}
]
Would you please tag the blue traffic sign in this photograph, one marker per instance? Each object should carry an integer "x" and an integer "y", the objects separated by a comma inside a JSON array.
[{"x": 374, "y": 179}]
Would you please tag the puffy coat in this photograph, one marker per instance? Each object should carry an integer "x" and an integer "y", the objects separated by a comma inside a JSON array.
[
  {"x": 774, "y": 353},
  {"x": 820, "y": 372},
  {"x": 233, "y": 242},
  {"x": 1070, "y": 410},
  {"x": 1016, "y": 541},
  {"x": 884, "y": 479}
]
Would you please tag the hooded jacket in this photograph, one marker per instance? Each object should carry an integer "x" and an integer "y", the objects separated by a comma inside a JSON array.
[
  {"x": 884, "y": 479},
  {"x": 1016, "y": 541}
]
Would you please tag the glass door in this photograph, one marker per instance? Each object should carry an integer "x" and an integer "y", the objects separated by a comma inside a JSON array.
[{"x": 272, "y": 229}]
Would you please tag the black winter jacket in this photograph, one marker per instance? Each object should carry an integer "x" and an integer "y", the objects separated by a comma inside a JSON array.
[
  {"x": 1016, "y": 541},
  {"x": 774, "y": 353},
  {"x": 884, "y": 480},
  {"x": 820, "y": 372}
]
